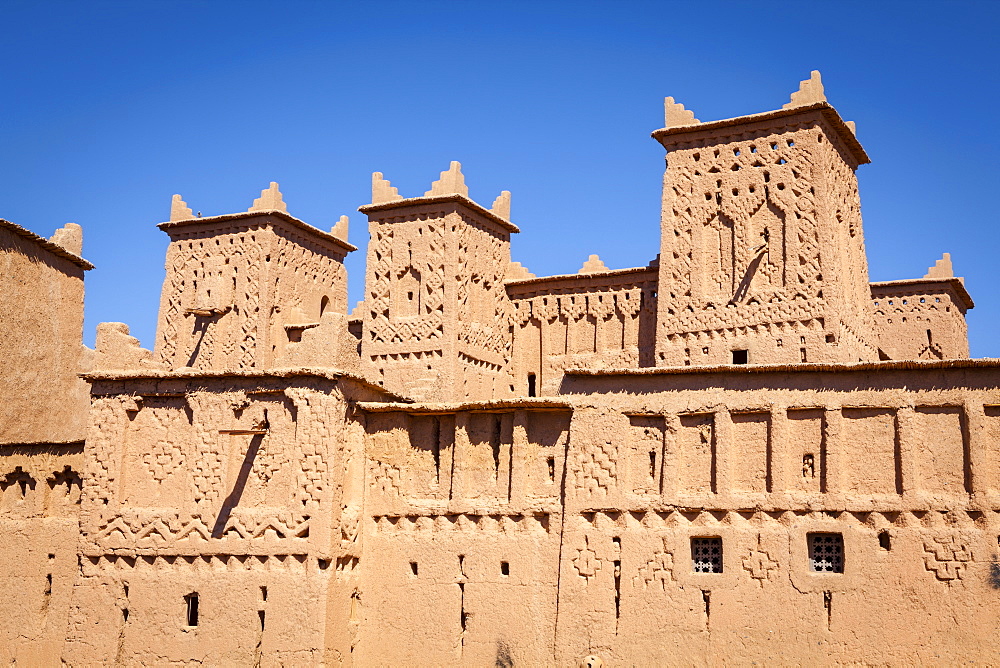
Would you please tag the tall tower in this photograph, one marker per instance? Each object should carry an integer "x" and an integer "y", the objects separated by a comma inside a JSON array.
[
  {"x": 436, "y": 320},
  {"x": 762, "y": 252},
  {"x": 240, "y": 287}
]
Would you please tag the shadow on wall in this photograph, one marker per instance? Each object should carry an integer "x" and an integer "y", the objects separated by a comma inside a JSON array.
[{"x": 807, "y": 378}]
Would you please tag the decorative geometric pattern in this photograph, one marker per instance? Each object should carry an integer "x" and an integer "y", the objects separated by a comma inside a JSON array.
[
  {"x": 586, "y": 561},
  {"x": 948, "y": 557},
  {"x": 706, "y": 555},
  {"x": 598, "y": 468},
  {"x": 760, "y": 566},
  {"x": 826, "y": 552},
  {"x": 659, "y": 569}
]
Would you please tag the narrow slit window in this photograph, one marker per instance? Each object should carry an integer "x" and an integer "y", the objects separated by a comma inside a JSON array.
[
  {"x": 884, "y": 540},
  {"x": 826, "y": 552},
  {"x": 191, "y": 604},
  {"x": 706, "y": 555},
  {"x": 532, "y": 391}
]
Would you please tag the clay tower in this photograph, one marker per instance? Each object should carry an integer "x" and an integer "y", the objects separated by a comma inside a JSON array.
[
  {"x": 762, "y": 251},
  {"x": 240, "y": 287},
  {"x": 436, "y": 314}
]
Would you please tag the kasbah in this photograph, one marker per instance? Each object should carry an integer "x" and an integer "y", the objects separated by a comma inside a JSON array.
[{"x": 743, "y": 451}]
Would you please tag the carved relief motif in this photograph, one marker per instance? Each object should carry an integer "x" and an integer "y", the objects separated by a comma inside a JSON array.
[
  {"x": 659, "y": 570},
  {"x": 759, "y": 564},
  {"x": 947, "y": 556},
  {"x": 386, "y": 478},
  {"x": 172, "y": 529},
  {"x": 166, "y": 454},
  {"x": 586, "y": 562},
  {"x": 598, "y": 468},
  {"x": 172, "y": 301},
  {"x": 742, "y": 227},
  {"x": 483, "y": 303},
  {"x": 406, "y": 299}
]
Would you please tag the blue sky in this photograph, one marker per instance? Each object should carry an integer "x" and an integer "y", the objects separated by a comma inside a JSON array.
[{"x": 110, "y": 108}]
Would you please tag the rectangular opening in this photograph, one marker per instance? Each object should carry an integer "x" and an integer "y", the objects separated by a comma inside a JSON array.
[
  {"x": 706, "y": 554},
  {"x": 808, "y": 466},
  {"x": 505, "y": 568},
  {"x": 532, "y": 391},
  {"x": 741, "y": 357},
  {"x": 826, "y": 552},
  {"x": 551, "y": 463},
  {"x": 413, "y": 568},
  {"x": 191, "y": 605},
  {"x": 884, "y": 541}
]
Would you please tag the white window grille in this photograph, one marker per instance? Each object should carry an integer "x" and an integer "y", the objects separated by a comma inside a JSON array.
[
  {"x": 826, "y": 552},
  {"x": 706, "y": 555}
]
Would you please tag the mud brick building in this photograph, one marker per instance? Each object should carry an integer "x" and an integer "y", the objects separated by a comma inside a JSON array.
[{"x": 740, "y": 451}]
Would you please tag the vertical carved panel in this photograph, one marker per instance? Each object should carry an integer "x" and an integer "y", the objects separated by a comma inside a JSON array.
[
  {"x": 751, "y": 438},
  {"x": 870, "y": 451},
  {"x": 806, "y": 449},
  {"x": 941, "y": 452},
  {"x": 646, "y": 468},
  {"x": 696, "y": 446}
]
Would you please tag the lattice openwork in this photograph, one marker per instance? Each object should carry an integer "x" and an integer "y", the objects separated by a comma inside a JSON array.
[
  {"x": 706, "y": 555},
  {"x": 826, "y": 552}
]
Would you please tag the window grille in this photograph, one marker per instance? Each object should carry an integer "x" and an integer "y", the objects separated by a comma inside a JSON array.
[
  {"x": 826, "y": 552},
  {"x": 706, "y": 555}
]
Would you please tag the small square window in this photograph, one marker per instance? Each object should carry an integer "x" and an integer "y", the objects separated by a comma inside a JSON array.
[
  {"x": 826, "y": 552},
  {"x": 706, "y": 555},
  {"x": 741, "y": 356}
]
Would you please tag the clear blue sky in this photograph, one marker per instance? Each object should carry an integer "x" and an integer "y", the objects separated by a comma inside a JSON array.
[{"x": 110, "y": 108}]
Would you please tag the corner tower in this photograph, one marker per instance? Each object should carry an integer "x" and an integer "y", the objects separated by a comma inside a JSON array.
[
  {"x": 436, "y": 320},
  {"x": 762, "y": 251},
  {"x": 240, "y": 287}
]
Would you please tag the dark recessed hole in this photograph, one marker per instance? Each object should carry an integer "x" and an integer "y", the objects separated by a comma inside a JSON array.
[
  {"x": 884, "y": 541},
  {"x": 191, "y": 603}
]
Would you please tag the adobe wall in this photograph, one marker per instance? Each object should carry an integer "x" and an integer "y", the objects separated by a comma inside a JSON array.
[
  {"x": 922, "y": 318},
  {"x": 239, "y": 288},
  {"x": 466, "y": 506},
  {"x": 900, "y": 461},
  {"x": 436, "y": 315},
  {"x": 761, "y": 245},
  {"x": 39, "y": 511},
  {"x": 594, "y": 320},
  {"x": 41, "y": 343},
  {"x": 232, "y": 488},
  {"x": 258, "y": 493},
  {"x": 461, "y": 534}
]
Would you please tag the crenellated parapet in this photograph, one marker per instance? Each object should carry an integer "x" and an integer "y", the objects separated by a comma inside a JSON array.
[
  {"x": 761, "y": 229},
  {"x": 435, "y": 319},
  {"x": 241, "y": 287}
]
